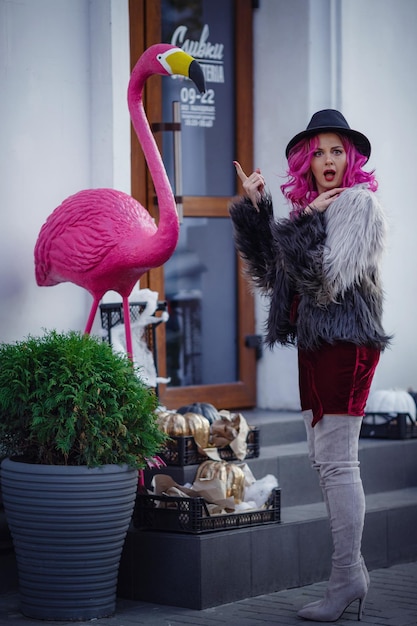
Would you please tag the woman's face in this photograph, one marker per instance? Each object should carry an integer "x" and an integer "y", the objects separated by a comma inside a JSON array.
[{"x": 329, "y": 162}]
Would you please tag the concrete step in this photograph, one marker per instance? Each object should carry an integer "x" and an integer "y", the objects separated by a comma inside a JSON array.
[
  {"x": 200, "y": 571},
  {"x": 386, "y": 465},
  {"x": 215, "y": 568},
  {"x": 276, "y": 427}
]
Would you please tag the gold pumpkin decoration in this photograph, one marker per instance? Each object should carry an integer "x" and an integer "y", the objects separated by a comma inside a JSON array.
[
  {"x": 173, "y": 424},
  {"x": 229, "y": 473},
  {"x": 199, "y": 428},
  {"x": 178, "y": 425}
]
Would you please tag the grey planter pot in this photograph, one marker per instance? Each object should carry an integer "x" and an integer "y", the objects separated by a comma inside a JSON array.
[{"x": 68, "y": 526}]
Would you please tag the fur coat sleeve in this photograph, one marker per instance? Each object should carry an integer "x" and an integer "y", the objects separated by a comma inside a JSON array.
[
  {"x": 356, "y": 234},
  {"x": 253, "y": 239},
  {"x": 270, "y": 246},
  {"x": 280, "y": 257}
]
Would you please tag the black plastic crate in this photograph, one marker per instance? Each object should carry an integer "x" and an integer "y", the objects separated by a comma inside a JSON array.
[
  {"x": 183, "y": 450},
  {"x": 191, "y": 515},
  {"x": 112, "y": 315},
  {"x": 388, "y": 426}
]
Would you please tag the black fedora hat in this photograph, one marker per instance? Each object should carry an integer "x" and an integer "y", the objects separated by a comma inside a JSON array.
[{"x": 327, "y": 121}]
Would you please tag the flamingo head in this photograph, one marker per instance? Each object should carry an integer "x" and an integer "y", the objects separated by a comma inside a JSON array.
[{"x": 168, "y": 60}]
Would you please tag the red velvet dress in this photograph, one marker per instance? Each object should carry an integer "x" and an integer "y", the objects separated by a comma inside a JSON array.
[{"x": 336, "y": 378}]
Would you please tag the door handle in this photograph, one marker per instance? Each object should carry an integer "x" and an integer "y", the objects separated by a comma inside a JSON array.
[
  {"x": 176, "y": 116},
  {"x": 175, "y": 128},
  {"x": 255, "y": 341}
]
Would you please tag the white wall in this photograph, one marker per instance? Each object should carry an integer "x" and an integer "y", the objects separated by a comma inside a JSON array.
[
  {"x": 50, "y": 142},
  {"x": 379, "y": 93},
  {"x": 281, "y": 75},
  {"x": 358, "y": 56}
]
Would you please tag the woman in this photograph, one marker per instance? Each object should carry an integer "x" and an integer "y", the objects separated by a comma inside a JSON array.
[{"x": 320, "y": 269}]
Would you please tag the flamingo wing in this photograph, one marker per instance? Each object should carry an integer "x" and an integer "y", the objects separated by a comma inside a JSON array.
[{"x": 92, "y": 231}]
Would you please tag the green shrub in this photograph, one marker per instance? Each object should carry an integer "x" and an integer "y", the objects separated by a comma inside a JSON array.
[{"x": 68, "y": 399}]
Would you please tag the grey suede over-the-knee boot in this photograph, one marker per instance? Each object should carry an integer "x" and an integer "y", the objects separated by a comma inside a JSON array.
[
  {"x": 333, "y": 450},
  {"x": 308, "y": 419}
]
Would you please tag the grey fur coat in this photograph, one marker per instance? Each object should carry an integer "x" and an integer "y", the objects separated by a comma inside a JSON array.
[{"x": 320, "y": 271}]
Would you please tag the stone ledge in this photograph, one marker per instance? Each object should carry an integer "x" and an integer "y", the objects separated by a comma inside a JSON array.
[{"x": 206, "y": 570}]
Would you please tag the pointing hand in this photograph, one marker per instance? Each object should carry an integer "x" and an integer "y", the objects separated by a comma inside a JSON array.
[{"x": 253, "y": 185}]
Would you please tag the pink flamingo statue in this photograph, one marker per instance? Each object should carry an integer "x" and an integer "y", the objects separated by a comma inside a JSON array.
[{"x": 103, "y": 239}]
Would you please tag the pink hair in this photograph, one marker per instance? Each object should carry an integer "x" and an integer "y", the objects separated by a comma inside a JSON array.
[{"x": 301, "y": 189}]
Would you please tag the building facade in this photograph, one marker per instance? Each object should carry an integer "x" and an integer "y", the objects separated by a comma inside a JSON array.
[{"x": 64, "y": 69}]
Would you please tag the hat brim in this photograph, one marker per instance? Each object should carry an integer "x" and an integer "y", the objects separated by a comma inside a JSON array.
[{"x": 361, "y": 142}]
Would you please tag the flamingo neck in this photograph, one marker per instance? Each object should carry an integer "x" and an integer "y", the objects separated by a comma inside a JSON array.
[{"x": 168, "y": 227}]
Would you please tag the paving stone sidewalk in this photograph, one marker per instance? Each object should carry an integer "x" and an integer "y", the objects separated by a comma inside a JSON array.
[{"x": 391, "y": 601}]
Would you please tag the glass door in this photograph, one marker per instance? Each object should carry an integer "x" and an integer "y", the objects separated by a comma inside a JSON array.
[{"x": 203, "y": 349}]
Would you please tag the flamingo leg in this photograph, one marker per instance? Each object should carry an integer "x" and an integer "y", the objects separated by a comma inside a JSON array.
[
  {"x": 128, "y": 331},
  {"x": 92, "y": 316}
]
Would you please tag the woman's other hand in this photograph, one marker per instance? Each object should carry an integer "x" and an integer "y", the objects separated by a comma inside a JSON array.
[
  {"x": 324, "y": 200},
  {"x": 253, "y": 185}
]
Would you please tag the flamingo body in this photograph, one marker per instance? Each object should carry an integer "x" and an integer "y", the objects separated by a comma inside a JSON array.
[
  {"x": 103, "y": 239},
  {"x": 106, "y": 235}
]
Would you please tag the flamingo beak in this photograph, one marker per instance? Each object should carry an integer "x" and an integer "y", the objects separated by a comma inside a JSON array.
[
  {"x": 176, "y": 61},
  {"x": 196, "y": 74}
]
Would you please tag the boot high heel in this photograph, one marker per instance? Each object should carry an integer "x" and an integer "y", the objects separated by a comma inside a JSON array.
[{"x": 346, "y": 585}]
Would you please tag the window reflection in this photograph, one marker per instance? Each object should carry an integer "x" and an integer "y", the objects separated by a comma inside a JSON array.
[
  {"x": 199, "y": 288},
  {"x": 205, "y": 29},
  {"x": 200, "y": 278}
]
